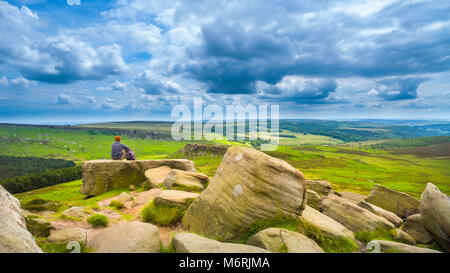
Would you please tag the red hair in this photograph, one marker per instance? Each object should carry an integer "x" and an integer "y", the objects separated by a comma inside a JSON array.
[{"x": 117, "y": 138}]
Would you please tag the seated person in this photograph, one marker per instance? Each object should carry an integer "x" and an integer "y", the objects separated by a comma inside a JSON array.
[{"x": 120, "y": 151}]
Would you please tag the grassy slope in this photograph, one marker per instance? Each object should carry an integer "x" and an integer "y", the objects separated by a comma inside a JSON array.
[{"x": 347, "y": 168}]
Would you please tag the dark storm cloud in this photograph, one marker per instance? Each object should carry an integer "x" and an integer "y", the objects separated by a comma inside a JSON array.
[{"x": 399, "y": 89}]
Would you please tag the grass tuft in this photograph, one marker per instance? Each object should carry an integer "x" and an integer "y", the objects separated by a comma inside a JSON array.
[
  {"x": 117, "y": 204},
  {"x": 98, "y": 220},
  {"x": 161, "y": 215}
]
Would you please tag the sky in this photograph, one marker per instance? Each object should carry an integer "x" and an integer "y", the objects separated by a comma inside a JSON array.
[{"x": 69, "y": 61}]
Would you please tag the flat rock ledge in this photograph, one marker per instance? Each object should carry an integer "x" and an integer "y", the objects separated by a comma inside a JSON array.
[
  {"x": 100, "y": 176},
  {"x": 192, "y": 243}
]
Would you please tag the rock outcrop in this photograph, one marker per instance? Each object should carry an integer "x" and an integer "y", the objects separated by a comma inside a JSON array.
[
  {"x": 192, "y": 243},
  {"x": 100, "y": 176},
  {"x": 78, "y": 213},
  {"x": 248, "y": 186},
  {"x": 435, "y": 212},
  {"x": 321, "y": 187},
  {"x": 67, "y": 235},
  {"x": 132, "y": 237},
  {"x": 402, "y": 236},
  {"x": 390, "y": 216},
  {"x": 413, "y": 226},
  {"x": 389, "y": 246},
  {"x": 397, "y": 202},
  {"x": 313, "y": 199},
  {"x": 353, "y": 196},
  {"x": 186, "y": 180},
  {"x": 278, "y": 240},
  {"x": 156, "y": 176},
  {"x": 329, "y": 227},
  {"x": 174, "y": 198},
  {"x": 352, "y": 216},
  {"x": 14, "y": 236}
]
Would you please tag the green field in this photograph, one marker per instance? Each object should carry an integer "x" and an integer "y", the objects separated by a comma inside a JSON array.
[{"x": 348, "y": 166}]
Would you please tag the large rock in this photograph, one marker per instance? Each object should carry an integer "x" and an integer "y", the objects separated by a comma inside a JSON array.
[
  {"x": 174, "y": 198},
  {"x": 281, "y": 240},
  {"x": 435, "y": 212},
  {"x": 186, "y": 180},
  {"x": 248, "y": 186},
  {"x": 67, "y": 235},
  {"x": 192, "y": 243},
  {"x": 389, "y": 246},
  {"x": 329, "y": 227},
  {"x": 124, "y": 197},
  {"x": 14, "y": 236},
  {"x": 352, "y": 216},
  {"x": 100, "y": 176},
  {"x": 402, "y": 236},
  {"x": 413, "y": 226},
  {"x": 132, "y": 237},
  {"x": 80, "y": 213},
  {"x": 353, "y": 196},
  {"x": 322, "y": 187},
  {"x": 313, "y": 199},
  {"x": 156, "y": 176},
  {"x": 397, "y": 202},
  {"x": 390, "y": 216}
]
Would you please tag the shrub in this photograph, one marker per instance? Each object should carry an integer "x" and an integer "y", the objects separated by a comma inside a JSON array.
[
  {"x": 39, "y": 204},
  {"x": 161, "y": 215},
  {"x": 98, "y": 220},
  {"x": 117, "y": 204},
  {"x": 146, "y": 186},
  {"x": 38, "y": 227}
]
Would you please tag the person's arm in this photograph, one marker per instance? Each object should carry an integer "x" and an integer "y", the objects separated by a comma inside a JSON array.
[{"x": 125, "y": 147}]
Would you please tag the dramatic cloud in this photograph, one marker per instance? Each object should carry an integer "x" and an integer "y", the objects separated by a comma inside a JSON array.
[{"x": 346, "y": 57}]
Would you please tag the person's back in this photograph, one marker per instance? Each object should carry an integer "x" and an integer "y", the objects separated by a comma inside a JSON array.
[{"x": 117, "y": 148}]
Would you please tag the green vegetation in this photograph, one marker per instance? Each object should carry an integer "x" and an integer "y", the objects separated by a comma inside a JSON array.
[
  {"x": 161, "y": 215},
  {"x": 116, "y": 204},
  {"x": 34, "y": 181},
  {"x": 378, "y": 234},
  {"x": 411, "y": 142},
  {"x": 39, "y": 229},
  {"x": 39, "y": 204},
  {"x": 58, "y": 248},
  {"x": 98, "y": 220},
  {"x": 12, "y": 166}
]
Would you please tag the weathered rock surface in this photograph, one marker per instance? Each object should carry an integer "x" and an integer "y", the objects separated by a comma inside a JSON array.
[
  {"x": 124, "y": 197},
  {"x": 351, "y": 215},
  {"x": 192, "y": 243},
  {"x": 174, "y": 198},
  {"x": 390, "y": 216},
  {"x": 186, "y": 180},
  {"x": 329, "y": 227},
  {"x": 321, "y": 187},
  {"x": 435, "y": 212},
  {"x": 313, "y": 199},
  {"x": 389, "y": 246},
  {"x": 402, "y": 236},
  {"x": 66, "y": 235},
  {"x": 353, "y": 196},
  {"x": 14, "y": 236},
  {"x": 100, "y": 176},
  {"x": 281, "y": 240},
  {"x": 248, "y": 186},
  {"x": 413, "y": 226},
  {"x": 77, "y": 213},
  {"x": 132, "y": 237},
  {"x": 397, "y": 202},
  {"x": 156, "y": 176}
]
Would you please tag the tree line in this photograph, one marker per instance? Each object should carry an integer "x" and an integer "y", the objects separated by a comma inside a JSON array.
[{"x": 39, "y": 180}]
